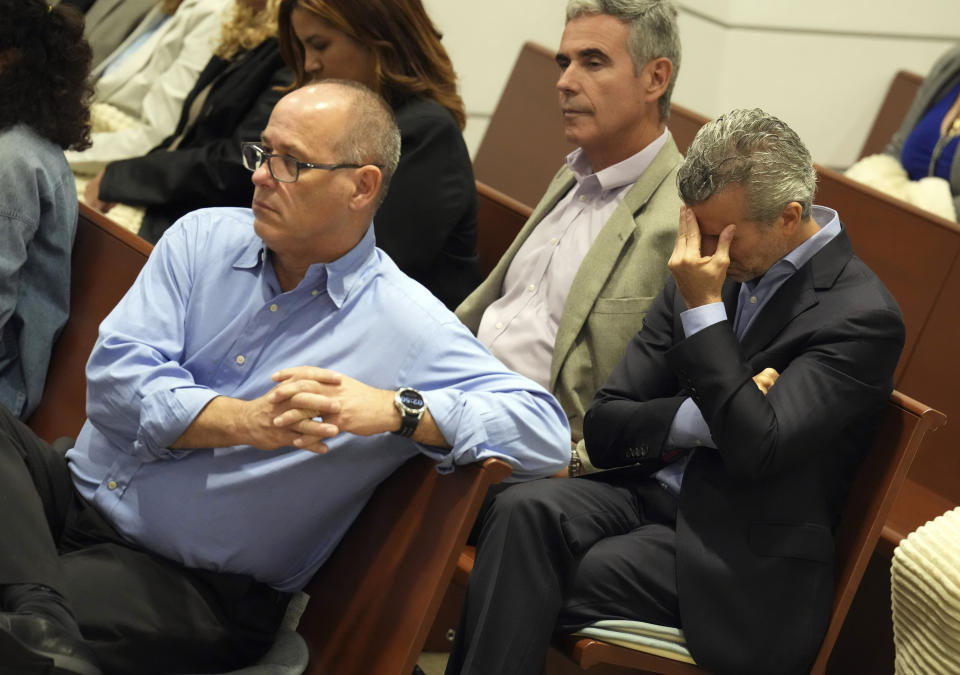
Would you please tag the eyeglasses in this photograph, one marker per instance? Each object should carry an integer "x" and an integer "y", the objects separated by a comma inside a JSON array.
[{"x": 283, "y": 168}]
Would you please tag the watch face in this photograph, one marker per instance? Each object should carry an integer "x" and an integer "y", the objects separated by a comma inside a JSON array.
[{"x": 411, "y": 399}]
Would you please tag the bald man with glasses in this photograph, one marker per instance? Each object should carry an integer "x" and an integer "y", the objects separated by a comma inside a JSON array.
[{"x": 269, "y": 367}]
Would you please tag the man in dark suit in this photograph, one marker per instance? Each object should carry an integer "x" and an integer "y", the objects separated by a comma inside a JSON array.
[{"x": 734, "y": 423}]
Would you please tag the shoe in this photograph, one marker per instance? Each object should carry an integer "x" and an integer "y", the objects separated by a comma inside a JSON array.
[{"x": 32, "y": 644}]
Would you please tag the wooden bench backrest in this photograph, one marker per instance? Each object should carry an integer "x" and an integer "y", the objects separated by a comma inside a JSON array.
[
  {"x": 373, "y": 602},
  {"x": 917, "y": 256},
  {"x": 106, "y": 260},
  {"x": 902, "y": 91},
  {"x": 499, "y": 219}
]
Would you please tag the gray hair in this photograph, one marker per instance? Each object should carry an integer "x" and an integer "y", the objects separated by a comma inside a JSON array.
[
  {"x": 653, "y": 33},
  {"x": 753, "y": 149},
  {"x": 371, "y": 135}
]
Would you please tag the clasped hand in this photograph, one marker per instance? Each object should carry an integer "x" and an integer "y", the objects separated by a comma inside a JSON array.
[
  {"x": 699, "y": 277},
  {"x": 310, "y": 405}
]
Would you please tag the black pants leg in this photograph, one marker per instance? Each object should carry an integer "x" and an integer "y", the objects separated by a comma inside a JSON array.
[
  {"x": 139, "y": 612},
  {"x": 36, "y": 501},
  {"x": 537, "y": 564}
]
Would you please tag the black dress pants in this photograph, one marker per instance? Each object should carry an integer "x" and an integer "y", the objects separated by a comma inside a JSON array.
[
  {"x": 559, "y": 554},
  {"x": 139, "y": 612}
]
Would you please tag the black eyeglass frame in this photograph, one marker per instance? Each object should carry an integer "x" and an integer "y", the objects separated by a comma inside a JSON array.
[{"x": 265, "y": 156}]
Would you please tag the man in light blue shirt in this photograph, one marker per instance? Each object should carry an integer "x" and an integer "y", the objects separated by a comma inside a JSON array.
[{"x": 266, "y": 371}]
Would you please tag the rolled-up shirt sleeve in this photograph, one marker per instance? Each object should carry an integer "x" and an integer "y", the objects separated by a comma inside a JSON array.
[
  {"x": 484, "y": 410},
  {"x": 136, "y": 386}
]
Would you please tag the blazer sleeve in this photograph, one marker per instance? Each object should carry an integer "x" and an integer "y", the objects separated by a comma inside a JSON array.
[
  {"x": 630, "y": 417},
  {"x": 206, "y": 174}
]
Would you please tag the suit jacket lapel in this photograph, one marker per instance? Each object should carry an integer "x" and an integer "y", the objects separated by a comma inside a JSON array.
[{"x": 604, "y": 254}]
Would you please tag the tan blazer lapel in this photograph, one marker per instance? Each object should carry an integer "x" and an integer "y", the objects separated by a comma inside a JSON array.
[{"x": 604, "y": 254}]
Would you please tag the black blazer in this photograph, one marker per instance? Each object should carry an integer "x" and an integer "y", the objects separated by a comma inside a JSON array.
[
  {"x": 428, "y": 221},
  {"x": 756, "y": 516},
  {"x": 205, "y": 169}
]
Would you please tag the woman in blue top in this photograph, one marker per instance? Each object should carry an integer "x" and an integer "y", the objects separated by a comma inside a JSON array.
[
  {"x": 927, "y": 140},
  {"x": 428, "y": 221},
  {"x": 44, "y": 99}
]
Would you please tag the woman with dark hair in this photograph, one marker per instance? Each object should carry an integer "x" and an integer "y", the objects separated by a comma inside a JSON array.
[
  {"x": 44, "y": 109},
  {"x": 428, "y": 221}
]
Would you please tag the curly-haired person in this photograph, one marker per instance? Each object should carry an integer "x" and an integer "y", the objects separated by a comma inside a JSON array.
[{"x": 44, "y": 99}]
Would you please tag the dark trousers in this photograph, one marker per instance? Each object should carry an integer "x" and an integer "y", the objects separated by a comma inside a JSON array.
[
  {"x": 559, "y": 554},
  {"x": 139, "y": 612}
]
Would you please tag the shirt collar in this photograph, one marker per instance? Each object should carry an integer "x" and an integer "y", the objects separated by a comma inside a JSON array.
[
  {"x": 622, "y": 173},
  {"x": 829, "y": 224},
  {"x": 338, "y": 278}
]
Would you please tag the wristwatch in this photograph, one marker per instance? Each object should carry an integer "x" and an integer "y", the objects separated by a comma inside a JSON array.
[{"x": 411, "y": 406}]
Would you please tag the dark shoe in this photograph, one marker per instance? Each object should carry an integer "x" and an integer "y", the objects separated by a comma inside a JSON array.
[{"x": 32, "y": 644}]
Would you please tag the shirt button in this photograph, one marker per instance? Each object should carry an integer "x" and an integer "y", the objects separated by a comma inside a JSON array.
[
  {"x": 240, "y": 359},
  {"x": 314, "y": 292},
  {"x": 111, "y": 485},
  {"x": 531, "y": 288},
  {"x": 273, "y": 307},
  {"x": 554, "y": 241},
  {"x": 583, "y": 198},
  {"x": 753, "y": 299},
  {"x": 499, "y": 325},
  {"x": 262, "y": 255}
]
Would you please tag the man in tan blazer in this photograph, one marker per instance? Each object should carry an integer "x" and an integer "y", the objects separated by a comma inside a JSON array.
[{"x": 574, "y": 286}]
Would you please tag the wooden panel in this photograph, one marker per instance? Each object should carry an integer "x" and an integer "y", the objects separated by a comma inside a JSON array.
[
  {"x": 911, "y": 251},
  {"x": 372, "y": 603},
  {"x": 933, "y": 374},
  {"x": 902, "y": 91},
  {"x": 106, "y": 261}
]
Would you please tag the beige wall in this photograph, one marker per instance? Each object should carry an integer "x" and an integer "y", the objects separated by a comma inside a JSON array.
[{"x": 821, "y": 65}]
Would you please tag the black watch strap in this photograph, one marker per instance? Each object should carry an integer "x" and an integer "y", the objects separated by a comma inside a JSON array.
[{"x": 411, "y": 405}]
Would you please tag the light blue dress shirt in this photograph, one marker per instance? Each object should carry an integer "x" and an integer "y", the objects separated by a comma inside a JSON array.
[
  {"x": 207, "y": 317},
  {"x": 689, "y": 429}
]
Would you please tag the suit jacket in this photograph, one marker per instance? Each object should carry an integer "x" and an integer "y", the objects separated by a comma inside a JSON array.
[
  {"x": 756, "y": 516},
  {"x": 617, "y": 281},
  {"x": 205, "y": 169}
]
